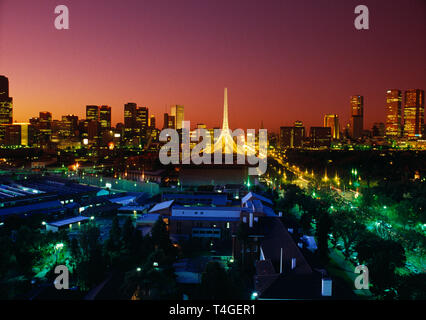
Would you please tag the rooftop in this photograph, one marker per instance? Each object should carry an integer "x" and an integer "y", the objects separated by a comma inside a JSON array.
[{"x": 65, "y": 222}]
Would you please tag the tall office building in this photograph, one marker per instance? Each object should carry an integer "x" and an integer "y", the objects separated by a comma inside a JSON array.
[
  {"x": 4, "y": 88},
  {"x": 105, "y": 118},
  {"x": 292, "y": 137},
  {"x": 320, "y": 136},
  {"x": 332, "y": 121},
  {"x": 129, "y": 119},
  {"x": 166, "y": 121},
  {"x": 152, "y": 122},
  {"x": 357, "y": 116},
  {"x": 92, "y": 113},
  {"x": 141, "y": 117},
  {"x": 177, "y": 111},
  {"x": 45, "y": 126},
  {"x": 169, "y": 121},
  {"x": 141, "y": 122},
  {"x": 6, "y": 107},
  {"x": 69, "y": 126},
  {"x": 414, "y": 113},
  {"x": 393, "y": 125},
  {"x": 19, "y": 134}
]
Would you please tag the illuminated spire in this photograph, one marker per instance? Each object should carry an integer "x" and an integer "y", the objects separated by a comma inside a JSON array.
[
  {"x": 225, "y": 125},
  {"x": 225, "y": 142}
]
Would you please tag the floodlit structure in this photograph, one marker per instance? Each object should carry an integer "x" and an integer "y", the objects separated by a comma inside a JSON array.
[{"x": 225, "y": 142}]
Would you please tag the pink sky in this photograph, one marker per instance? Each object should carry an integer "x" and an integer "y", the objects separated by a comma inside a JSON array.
[{"x": 281, "y": 60}]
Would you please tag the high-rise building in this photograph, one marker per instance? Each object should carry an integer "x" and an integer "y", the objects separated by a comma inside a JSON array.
[
  {"x": 332, "y": 121},
  {"x": 292, "y": 137},
  {"x": 178, "y": 112},
  {"x": 92, "y": 113},
  {"x": 152, "y": 122},
  {"x": 105, "y": 118},
  {"x": 320, "y": 136},
  {"x": 4, "y": 88},
  {"x": 69, "y": 126},
  {"x": 45, "y": 126},
  {"x": 142, "y": 117},
  {"x": 6, "y": 107},
  {"x": 166, "y": 120},
  {"x": 169, "y": 121},
  {"x": 19, "y": 134},
  {"x": 357, "y": 116},
  {"x": 393, "y": 113},
  {"x": 129, "y": 119},
  {"x": 414, "y": 113}
]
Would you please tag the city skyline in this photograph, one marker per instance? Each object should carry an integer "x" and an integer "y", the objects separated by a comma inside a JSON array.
[
  {"x": 102, "y": 114},
  {"x": 168, "y": 62}
]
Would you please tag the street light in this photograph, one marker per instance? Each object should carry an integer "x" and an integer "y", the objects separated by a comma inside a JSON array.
[{"x": 254, "y": 295}]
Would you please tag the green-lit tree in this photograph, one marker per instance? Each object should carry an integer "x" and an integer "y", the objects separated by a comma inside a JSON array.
[
  {"x": 381, "y": 257},
  {"x": 323, "y": 229}
]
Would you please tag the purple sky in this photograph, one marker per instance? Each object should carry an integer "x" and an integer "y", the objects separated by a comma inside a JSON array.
[{"x": 281, "y": 60}]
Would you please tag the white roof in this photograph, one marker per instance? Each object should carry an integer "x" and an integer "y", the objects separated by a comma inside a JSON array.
[
  {"x": 161, "y": 206},
  {"x": 68, "y": 221},
  {"x": 252, "y": 196}
]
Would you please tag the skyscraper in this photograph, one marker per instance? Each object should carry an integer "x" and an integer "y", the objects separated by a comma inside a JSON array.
[
  {"x": 152, "y": 122},
  {"x": 292, "y": 137},
  {"x": 393, "y": 113},
  {"x": 92, "y": 113},
  {"x": 105, "y": 118},
  {"x": 19, "y": 134},
  {"x": 4, "y": 88},
  {"x": 6, "y": 106},
  {"x": 414, "y": 113},
  {"x": 357, "y": 116},
  {"x": 178, "y": 112},
  {"x": 332, "y": 121},
  {"x": 45, "y": 126},
  {"x": 69, "y": 125},
  {"x": 320, "y": 136},
  {"x": 129, "y": 119},
  {"x": 141, "y": 122}
]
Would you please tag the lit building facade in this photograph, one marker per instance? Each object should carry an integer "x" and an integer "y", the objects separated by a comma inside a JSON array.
[
  {"x": 6, "y": 106},
  {"x": 332, "y": 121},
  {"x": 414, "y": 113},
  {"x": 92, "y": 113},
  {"x": 393, "y": 113},
  {"x": 129, "y": 119},
  {"x": 177, "y": 111},
  {"x": 292, "y": 137},
  {"x": 105, "y": 118},
  {"x": 357, "y": 116},
  {"x": 19, "y": 134},
  {"x": 320, "y": 136}
]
